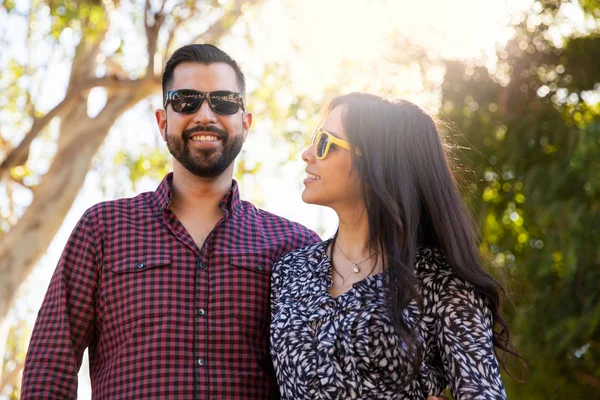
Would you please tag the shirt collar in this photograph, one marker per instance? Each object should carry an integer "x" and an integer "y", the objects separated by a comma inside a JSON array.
[
  {"x": 163, "y": 195},
  {"x": 231, "y": 201}
]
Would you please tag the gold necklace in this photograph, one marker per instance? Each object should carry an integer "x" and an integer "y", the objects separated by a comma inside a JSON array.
[{"x": 355, "y": 265}]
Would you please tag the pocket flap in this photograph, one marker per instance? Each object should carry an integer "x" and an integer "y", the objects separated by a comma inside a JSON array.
[
  {"x": 253, "y": 262},
  {"x": 141, "y": 263}
]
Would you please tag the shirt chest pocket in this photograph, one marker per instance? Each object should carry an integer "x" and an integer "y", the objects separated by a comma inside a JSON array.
[
  {"x": 138, "y": 288},
  {"x": 250, "y": 276}
]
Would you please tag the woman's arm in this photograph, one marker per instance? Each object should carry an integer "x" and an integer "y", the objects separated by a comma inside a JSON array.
[
  {"x": 464, "y": 338},
  {"x": 458, "y": 330}
]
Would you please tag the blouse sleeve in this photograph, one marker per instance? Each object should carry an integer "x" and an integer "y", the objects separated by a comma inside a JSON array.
[
  {"x": 276, "y": 281},
  {"x": 464, "y": 338}
]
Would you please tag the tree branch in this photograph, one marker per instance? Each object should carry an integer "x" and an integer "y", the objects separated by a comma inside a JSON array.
[
  {"x": 18, "y": 155},
  {"x": 152, "y": 31},
  {"x": 84, "y": 61},
  {"x": 171, "y": 36},
  {"x": 218, "y": 29},
  {"x": 162, "y": 7},
  {"x": 112, "y": 82},
  {"x": 147, "y": 27},
  {"x": 178, "y": 20},
  {"x": 115, "y": 101}
]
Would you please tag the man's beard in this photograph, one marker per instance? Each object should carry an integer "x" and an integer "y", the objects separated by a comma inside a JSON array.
[{"x": 204, "y": 163}]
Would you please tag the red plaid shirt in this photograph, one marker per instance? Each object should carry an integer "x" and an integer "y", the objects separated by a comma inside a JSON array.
[{"x": 162, "y": 318}]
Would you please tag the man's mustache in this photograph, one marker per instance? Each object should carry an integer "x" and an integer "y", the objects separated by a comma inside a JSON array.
[{"x": 221, "y": 134}]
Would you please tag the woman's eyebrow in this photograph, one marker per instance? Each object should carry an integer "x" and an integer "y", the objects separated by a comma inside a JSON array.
[{"x": 332, "y": 133}]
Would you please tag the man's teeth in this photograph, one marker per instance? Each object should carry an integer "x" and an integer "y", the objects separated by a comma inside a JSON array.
[
  {"x": 204, "y": 138},
  {"x": 311, "y": 176}
]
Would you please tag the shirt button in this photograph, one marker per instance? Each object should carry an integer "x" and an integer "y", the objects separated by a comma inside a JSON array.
[
  {"x": 140, "y": 266},
  {"x": 202, "y": 265},
  {"x": 261, "y": 267},
  {"x": 200, "y": 312},
  {"x": 201, "y": 362}
]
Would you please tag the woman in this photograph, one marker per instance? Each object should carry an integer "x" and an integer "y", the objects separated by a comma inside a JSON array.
[{"x": 396, "y": 305}]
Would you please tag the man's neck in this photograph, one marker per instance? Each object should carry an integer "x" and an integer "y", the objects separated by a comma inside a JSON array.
[{"x": 190, "y": 192}]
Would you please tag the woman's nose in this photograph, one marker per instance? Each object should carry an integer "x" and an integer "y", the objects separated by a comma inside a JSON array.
[{"x": 307, "y": 155}]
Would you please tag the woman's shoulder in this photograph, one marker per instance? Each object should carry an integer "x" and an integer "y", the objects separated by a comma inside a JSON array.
[
  {"x": 441, "y": 287},
  {"x": 303, "y": 253},
  {"x": 300, "y": 261},
  {"x": 431, "y": 264}
]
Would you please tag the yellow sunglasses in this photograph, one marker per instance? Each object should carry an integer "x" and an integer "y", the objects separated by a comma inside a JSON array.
[{"x": 322, "y": 140}]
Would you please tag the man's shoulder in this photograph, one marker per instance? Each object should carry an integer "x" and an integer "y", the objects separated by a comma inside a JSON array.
[
  {"x": 136, "y": 205},
  {"x": 272, "y": 225},
  {"x": 274, "y": 219}
]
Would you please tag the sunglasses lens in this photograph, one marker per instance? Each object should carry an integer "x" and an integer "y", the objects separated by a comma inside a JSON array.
[
  {"x": 185, "y": 103},
  {"x": 323, "y": 139},
  {"x": 224, "y": 102}
]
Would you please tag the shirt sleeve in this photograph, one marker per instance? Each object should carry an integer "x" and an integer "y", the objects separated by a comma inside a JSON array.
[
  {"x": 64, "y": 325},
  {"x": 465, "y": 341},
  {"x": 312, "y": 238}
]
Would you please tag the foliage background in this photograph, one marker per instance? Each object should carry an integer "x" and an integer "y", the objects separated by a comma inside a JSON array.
[{"x": 521, "y": 121}]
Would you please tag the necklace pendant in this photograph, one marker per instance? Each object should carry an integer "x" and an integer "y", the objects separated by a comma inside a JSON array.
[{"x": 355, "y": 269}]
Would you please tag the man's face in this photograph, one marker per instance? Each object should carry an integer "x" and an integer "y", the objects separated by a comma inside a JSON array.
[{"x": 204, "y": 142}]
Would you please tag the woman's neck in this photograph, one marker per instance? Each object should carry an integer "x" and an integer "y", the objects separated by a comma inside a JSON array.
[
  {"x": 353, "y": 233},
  {"x": 351, "y": 258}
]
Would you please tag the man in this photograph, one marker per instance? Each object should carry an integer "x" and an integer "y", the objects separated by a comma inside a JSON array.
[{"x": 170, "y": 290}]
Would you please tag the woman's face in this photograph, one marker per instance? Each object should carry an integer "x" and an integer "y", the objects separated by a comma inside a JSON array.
[{"x": 331, "y": 181}]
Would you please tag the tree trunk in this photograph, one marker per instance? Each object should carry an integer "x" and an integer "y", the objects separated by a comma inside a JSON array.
[{"x": 80, "y": 137}]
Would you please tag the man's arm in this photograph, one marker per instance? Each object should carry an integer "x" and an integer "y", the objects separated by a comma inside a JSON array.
[{"x": 64, "y": 325}]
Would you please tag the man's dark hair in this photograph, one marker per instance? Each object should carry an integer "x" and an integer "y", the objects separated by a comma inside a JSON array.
[{"x": 202, "y": 54}]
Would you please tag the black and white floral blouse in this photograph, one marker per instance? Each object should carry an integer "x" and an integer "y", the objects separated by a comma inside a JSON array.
[{"x": 345, "y": 347}]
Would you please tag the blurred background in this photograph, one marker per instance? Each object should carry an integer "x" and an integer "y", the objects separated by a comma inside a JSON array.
[{"x": 515, "y": 85}]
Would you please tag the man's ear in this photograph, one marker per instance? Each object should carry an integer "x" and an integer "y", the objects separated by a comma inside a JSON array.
[
  {"x": 247, "y": 123},
  {"x": 161, "y": 121}
]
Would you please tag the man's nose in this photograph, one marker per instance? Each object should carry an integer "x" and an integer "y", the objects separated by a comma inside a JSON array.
[{"x": 204, "y": 114}]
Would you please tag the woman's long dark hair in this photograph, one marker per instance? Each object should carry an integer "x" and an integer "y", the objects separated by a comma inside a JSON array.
[{"x": 412, "y": 199}]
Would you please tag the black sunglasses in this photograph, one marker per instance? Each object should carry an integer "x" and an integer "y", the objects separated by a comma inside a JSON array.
[{"x": 188, "y": 101}]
